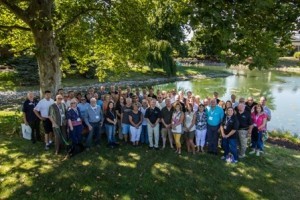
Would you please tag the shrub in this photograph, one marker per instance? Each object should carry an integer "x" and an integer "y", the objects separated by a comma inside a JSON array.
[{"x": 297, "y": 55}]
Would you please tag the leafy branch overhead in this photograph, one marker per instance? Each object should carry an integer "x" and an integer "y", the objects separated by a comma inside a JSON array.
[{"x": 109, "y": 36}]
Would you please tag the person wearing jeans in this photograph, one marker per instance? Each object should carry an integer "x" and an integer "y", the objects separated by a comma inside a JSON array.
[
  {"x": 229, "y": 128},
  {"x": 259, "y": 119},
  {"x": 144, "y": 133},
  {"x": 153, "y": 115},
  {"x": 201, "y": 128},
  {"x": 110, "y": 123},
  {"x": 94, "y": 120}
]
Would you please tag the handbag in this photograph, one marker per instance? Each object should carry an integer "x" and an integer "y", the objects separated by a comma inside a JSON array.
[{"x": 26, "y": 131}]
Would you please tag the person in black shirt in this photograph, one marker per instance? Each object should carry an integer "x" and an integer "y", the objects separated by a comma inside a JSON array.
[
  {"x": 151, "y": 94},
  {"x": 229, "y": 129},
  {"x": 30, "y": 118},
  {"x": 250, "y": 104},
  {"x": 245, "y": 127},
  {"x": 153, "y": 115},
  {"x": 110, "y": 122},
  {"x": 136, "y": 119}
]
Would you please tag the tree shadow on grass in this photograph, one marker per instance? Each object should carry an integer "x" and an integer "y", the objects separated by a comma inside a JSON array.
[{"x": 138, "y": 173}]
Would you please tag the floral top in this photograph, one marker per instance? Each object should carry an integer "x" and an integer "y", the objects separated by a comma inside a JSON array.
[{"x": 201, "y": 120}]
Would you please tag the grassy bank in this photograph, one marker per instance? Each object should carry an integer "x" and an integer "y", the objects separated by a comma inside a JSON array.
[
  {"x": 288, "y": 62},
  {"x": 133, "y": 74},
  {"x": 28, "y": 172}
]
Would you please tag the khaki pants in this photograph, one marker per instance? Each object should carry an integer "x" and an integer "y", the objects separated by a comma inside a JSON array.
[
  {"x": 153, "y": 131},
  {"x": 242, "y": 141}
]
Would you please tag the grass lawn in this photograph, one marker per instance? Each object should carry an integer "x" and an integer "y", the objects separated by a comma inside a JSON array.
[{"x": 29, "y": 172}]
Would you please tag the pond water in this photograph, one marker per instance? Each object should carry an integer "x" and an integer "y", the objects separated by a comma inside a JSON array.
[{"x": 281, "y": 89}]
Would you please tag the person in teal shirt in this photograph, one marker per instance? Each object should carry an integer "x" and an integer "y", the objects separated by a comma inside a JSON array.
[{"x": 215, "y": 115}]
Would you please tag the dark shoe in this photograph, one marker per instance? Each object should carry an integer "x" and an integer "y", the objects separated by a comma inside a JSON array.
[{"x": 156, "y": 148}]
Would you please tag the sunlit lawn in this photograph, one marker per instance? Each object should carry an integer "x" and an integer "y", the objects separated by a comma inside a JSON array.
[{"x": 29, "y": 172}]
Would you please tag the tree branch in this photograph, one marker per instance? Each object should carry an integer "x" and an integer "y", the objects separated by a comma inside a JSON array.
[
  {"x": 74, "y": 18},
  {"x": 16, "y": 10},
  {"x": 15, "y": 27}
]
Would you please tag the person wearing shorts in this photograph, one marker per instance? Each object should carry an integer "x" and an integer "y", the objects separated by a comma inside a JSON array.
[
  {"x": 189, "y": 127},
  {"x": 42, "y": 112},
  {"x": 125, "y": 112}
]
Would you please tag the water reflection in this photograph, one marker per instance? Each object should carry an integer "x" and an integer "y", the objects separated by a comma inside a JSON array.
[{"x": 281, "y": 90}]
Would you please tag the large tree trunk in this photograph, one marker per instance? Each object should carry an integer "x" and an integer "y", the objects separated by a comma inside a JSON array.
[
  {"x": 48, "y": 61},
  {"x": 47, "y": 53}
]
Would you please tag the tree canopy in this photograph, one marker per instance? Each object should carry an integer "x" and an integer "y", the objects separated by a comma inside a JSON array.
[{"x": 111, "y": 35}]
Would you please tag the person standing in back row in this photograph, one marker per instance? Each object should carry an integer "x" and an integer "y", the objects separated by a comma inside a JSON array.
[{"x": 42, "y": 112}]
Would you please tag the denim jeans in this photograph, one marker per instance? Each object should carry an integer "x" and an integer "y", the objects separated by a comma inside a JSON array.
[
  {"x": 95, "y": 132},
  {"x": 230, "y": 145},
  {"x": 258, "y": 144},
  {"x": 110, "y": 132},
  {"x": 212, "y": 138},
  {"x": 144, "y": 135}
]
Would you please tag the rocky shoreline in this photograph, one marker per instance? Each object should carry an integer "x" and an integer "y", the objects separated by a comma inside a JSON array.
[{"x": 15, "y": 98}]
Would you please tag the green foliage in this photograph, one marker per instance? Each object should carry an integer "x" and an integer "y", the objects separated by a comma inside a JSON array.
[
  {"x": 297, "y": 55},
  {"x": 160, "y": 56},
  {"x": 23, "y": 70},
  {"x": 253, "y": 33}
]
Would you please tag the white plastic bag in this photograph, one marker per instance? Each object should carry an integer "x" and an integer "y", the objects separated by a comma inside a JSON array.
[{"x": 26, "y": 131}]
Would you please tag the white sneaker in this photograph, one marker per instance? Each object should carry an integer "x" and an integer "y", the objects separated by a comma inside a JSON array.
[
  {"x": 257, "y": 153},
  {"x": 252, "y": 152}
]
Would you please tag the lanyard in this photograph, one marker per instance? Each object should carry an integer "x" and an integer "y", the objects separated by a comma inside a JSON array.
[
  {"x": 227, "y": 120},
  {"x": 94, "y": 110},
  {"x": 112, "y": 114},
  {"x": 76, "y": 111},
  {"x": 61, "y": 110}
]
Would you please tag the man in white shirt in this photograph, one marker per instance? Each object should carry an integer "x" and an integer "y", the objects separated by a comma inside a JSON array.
[{"x": 42, "y": 112}]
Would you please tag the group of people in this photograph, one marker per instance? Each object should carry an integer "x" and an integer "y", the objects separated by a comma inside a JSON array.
[{"x": 150, "y": 118}]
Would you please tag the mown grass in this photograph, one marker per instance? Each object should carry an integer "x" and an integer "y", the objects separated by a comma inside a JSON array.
[{"x": 29, "y": 172}]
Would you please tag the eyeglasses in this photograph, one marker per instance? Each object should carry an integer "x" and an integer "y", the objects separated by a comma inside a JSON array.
[{"x": 73, "y": 103}]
